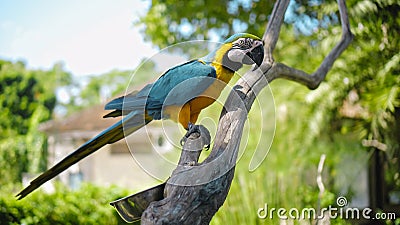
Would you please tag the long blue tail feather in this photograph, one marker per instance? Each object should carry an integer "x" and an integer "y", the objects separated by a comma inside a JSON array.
[{"x": 119, "y": 130}]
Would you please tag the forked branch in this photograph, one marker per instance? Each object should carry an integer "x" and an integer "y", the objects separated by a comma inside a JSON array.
[{"x": 313, "y": 80}]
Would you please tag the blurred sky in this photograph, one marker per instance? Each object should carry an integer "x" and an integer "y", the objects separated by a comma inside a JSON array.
[{"x": 89, "y": 37}]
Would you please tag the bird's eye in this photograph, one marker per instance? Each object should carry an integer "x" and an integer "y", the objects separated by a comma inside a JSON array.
[
  {"x": 238, "y": 44},
  {"x": 243, "y": 43},
  {"x": 246, "y": 43}
]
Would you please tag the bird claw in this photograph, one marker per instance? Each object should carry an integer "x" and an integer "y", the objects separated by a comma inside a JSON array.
[
  {"x": 199, "y": 129},
  {"x": 191, "y": 129},
  {"x": 191, "y": 163}
]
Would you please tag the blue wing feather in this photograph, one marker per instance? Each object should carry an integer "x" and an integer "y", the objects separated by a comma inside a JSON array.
[
  {"x": 179, "y": 85},
  {"x": 176, "y": 86}
]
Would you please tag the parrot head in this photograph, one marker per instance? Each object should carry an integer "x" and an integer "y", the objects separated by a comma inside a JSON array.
[{"x": 244, "y": 49}]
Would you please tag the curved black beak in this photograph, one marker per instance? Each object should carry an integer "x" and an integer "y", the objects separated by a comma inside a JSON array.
[{"x": 256, "y": 54}]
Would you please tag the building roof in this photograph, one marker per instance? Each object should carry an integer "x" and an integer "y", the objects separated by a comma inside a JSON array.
[{"x": 89, "y": 119}]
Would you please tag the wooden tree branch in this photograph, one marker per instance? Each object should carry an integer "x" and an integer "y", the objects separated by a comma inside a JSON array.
[
  {"x": 314, "y": 80},
  {"x": 196, "y": 191},
  {"x": 273, "y": 29}
]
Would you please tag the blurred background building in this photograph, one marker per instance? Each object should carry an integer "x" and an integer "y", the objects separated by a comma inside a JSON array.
[{"x": 112, "y": 164}]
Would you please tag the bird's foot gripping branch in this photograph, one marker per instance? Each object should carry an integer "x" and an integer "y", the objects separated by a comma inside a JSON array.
[{"x": 198, "y": 130}]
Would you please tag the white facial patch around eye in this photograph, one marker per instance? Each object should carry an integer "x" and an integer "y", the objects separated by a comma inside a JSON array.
[{"x": 236, "y": 55}]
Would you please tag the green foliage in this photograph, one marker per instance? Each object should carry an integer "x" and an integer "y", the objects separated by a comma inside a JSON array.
[
  {"x": 366, "y": 78},
  {"x": 169, "y": 22},
  {"x": 26, "y": 100},
  {"x": 21, "y": 95},
  {"x": 88, "y": 205}
]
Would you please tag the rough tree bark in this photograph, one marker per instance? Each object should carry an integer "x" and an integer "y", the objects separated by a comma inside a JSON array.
[{"x": 196, "y": 191}]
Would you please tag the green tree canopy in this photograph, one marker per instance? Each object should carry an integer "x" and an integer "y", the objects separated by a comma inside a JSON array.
[
  {"x": 169, "y": 22},
  {"x": 26, "y": 99}
]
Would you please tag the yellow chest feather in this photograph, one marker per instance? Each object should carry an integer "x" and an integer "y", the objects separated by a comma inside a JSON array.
[{"x": 212, "y": 93}]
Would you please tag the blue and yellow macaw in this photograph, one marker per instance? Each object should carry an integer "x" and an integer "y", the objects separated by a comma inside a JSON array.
[{"x": 179, "y": 94}]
